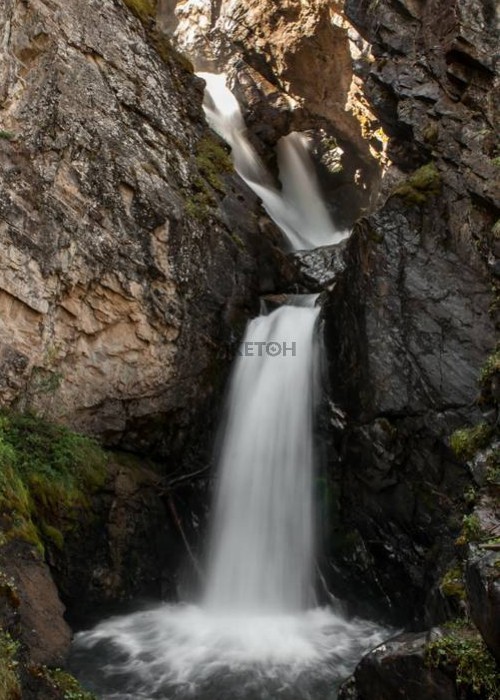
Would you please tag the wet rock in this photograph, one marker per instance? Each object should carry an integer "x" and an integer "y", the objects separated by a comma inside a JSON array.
[
  {"x": 39, "y": 612},
  {"x": 482, "y": 570},
  {"x": 403, "y": 367},
  {"x": 397, "y": 670},
  {"x": 320, "y": 267},
  {"x": 483, "y": 590},
  {"x": 125, "y": 544}
]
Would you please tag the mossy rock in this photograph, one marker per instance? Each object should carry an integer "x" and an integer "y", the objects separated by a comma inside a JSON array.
[
  {"x": 490, "y": 368},
  {"x": 61, "y": 684},
  {"x": 424, "y": 183},
  {"x": 466, "y": 442},
  {"x": 463, "y": 650},
  {"x": 213, "y": 161},
  {"x": 471, "y": 530},
  {"x": 10, "y": 686},
  {"x": 47, "y": 472},
  {"x": 145, "y": 10},
  {"x": 452, "y": 584}
]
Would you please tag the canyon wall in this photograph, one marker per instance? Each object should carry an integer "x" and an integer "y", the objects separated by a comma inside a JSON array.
[{"x": 127, "y": 264}]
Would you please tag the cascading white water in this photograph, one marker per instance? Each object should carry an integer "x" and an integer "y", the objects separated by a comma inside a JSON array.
[
  {"x": 262, "y": 542},
  {"x": 298, "y": 208},
  {"x": 256, "y": 634}
]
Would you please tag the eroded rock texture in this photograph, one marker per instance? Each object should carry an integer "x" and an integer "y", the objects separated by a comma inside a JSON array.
[
  {"x": 125, "y": 274},
  {"x": 412, "y": 319}
]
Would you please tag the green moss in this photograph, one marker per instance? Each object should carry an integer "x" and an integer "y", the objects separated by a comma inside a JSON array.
[
  {"x": 10, "y": 687},
  {"x": 64, "y": 683},
  {"x": 6, "y": 135},
  {"x": 452, "y": 584},
  {"x": 168, "y": 53},
  {"x": 238, "y": 241},
  {"x": 212, "y": 161},
  {"x": 471, "y": 530},
  {"x": 431, "y": 133},
  {"x": 200, "y": 206},
  {"x": 145, "y": 10},
  {"x": 53, "y": 534},
  {"x": 45, "y": 471},
  {"x": 490, "y": 368},
  {"x": 493, "y": 467},
  {"x": 466, "y": 442},
  {"x": 425, "y": 182},
  {"x": 496, "y": 161},
  {"x": 463, "y": 648}
]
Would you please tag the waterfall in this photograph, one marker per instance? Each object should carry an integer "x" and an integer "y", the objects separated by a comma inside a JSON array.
[
  {"x": 298, "y": 207},
  {"x": 262, "y": 542},
  {"x": 256, "y": 634}
]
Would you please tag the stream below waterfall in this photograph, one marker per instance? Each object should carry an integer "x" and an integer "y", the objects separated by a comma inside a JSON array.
[{"x": 257, "y": 632}]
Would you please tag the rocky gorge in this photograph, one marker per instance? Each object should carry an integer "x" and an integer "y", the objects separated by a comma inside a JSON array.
[{"x": 132, "y": 256}]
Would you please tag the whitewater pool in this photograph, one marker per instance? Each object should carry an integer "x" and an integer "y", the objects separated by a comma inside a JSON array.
[{"x": 176, "y": 652}]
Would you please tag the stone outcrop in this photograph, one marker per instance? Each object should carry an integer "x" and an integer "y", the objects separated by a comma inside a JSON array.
[
  {"x": 31, "y": 604},
  {"x": 127, "y": 267},
  {"x": 411, "y": 320},
  {"x": 397, "y": 670},
  {"x": 482, "y": 568}
]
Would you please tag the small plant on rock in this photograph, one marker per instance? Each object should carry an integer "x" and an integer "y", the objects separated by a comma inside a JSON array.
[{"x": 463, "y": 649}]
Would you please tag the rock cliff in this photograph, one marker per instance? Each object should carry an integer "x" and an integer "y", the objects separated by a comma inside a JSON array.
[
  {"x": 412, "y": 320},
  {"x": 126, "y": 265}
]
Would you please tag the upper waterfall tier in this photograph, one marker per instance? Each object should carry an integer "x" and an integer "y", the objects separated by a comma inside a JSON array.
[{"x": 298, "y": 207}]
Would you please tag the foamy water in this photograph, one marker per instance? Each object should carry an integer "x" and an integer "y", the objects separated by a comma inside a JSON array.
[{"x": 175, "y": 652}]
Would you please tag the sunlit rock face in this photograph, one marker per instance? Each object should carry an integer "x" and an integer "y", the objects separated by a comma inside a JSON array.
[
  {"x": 122, "y": 278},
  {"x": 292, "y": 66}
]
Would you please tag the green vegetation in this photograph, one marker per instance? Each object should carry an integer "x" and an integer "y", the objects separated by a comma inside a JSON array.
[
  {"x": 63, "y": 682},
  {"x": 45, "y": 471},
  {"x": 424, "y": 182},
  {"x": 496, "y": 161},
  {"x": 431, "y": 133},
  {"x": 238, "y": 241},
  {"x": 145, "y": 10},
  {"x": 10, "y": 686},
  {"x": 6, "y": 135},
  {"x": 471, "y": 530},
  {"x": 452, "y": 584},
  {"x": 169, "y": 53},
  {"x": 463, "y": 648},
  {"x": 212, "y": 160},
  {"x": 200, "y": 205},
  {"x": 490, "y": 368},
  {"x": 493, "y": 467},
  {"x": 467, "y": 441}
]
